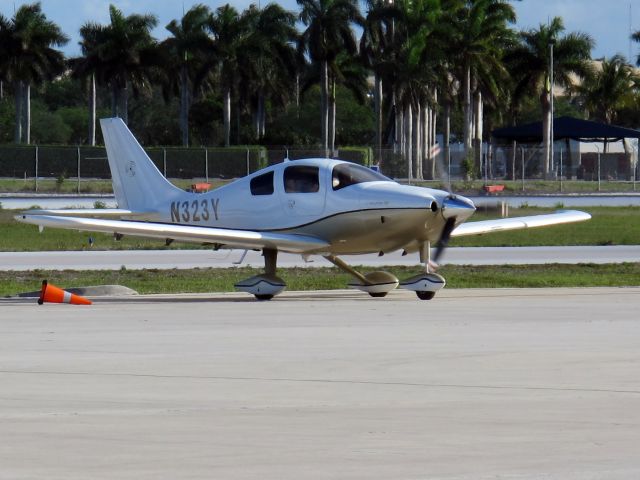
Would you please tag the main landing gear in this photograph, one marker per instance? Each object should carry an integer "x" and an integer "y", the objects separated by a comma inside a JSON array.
[
  {"x": 377, "y": 284},
  {"x": 267, "y": 285}
]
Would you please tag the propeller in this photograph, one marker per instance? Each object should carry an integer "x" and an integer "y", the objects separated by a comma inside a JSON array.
[
  {"x": 445, "y": 235},
  {"x": 453, "y": 208}
]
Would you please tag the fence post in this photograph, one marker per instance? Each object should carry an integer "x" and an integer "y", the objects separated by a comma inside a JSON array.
[
  {"x": 206, "y": 164},
  {"x": 78, "y": 189},
  {"x": 248, "y": 162},
  {"x": 448, "y": 150},
  {"x": 598, "y": 148},
  {"x": 635, "y": 165},
  {"x": 599, "y": 180},
  {"x": 513, "y": 161},
  {"x": 522, "y": 151},
  {"x": 36, "y": 168},
  {"x": 561, "y": 170}
]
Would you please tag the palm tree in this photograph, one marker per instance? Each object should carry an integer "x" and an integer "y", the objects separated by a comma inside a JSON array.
[
  {"x": 375, "y": 50},
  {"x": 124, "y": 54},
  {"x": 531, "y": 58},
  {"x": 328, "y": 33},
  {"x": 269, "y": 63},
  {"x": 28, "y": 58},
  {"x": 636, "y": 38},
  {"x": 343, "y": 70},
  {"x": 411, "y": 73},
  {"x": 85, "y": 67},
  {"x": 607, "y": 90},
  {"x": 482, "y": 27},
  {"x": 229, "y": 29},
  {"x": 185, "y": 50}
]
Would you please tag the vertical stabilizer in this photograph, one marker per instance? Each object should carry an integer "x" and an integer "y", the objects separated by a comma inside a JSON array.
[{"x": 137, "y": 183}]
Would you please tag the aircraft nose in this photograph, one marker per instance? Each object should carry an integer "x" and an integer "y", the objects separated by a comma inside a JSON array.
[{"x": 455, "y": 206}]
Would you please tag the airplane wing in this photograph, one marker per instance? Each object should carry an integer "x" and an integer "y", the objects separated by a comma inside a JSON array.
[
  {"x": 85, "y": 212},
  {"x": 222, "y": 237},
  {"x": 516, "y": 223}
]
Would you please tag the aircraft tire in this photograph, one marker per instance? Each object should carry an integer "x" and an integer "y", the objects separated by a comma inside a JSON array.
[
  {"x": 263, "y": 297},
  {"x": 425, "y": 295},
  {"x": 378, "y": 294}
]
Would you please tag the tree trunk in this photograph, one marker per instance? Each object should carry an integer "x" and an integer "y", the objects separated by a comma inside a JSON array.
[
  {"x": 434, "y": 122},
  {"x": 397, "y": 134},
  {"x": 467, "y": 111},
  {"x": 417, "y": 141},
  {"x": 115, "y": 100},
  {"x": 408, "y": 139},
  {"x": 477, "y": 134},
  {"x": 237, "y": 123},
  {"x": 92, "y": 110},
  {"x": 426, "y": 131},
  {"x": 447, "y": 138},
  {"x": 226, "y": 112},
  {"x": 546, "y": 132},
  {"x": 258, "y": 116},
  {"x": 26, "y": 132},
  {"x": 324, "y": 106},
  {"x": 264, "y": 116},
  {"x": 377, "y": 99},
  {"x": 513, "y": 160},
  {"x": 17, "y": 94},
  {"x": 332, "y": 118},
  {"x": 125, "y": 103},
  {"x": 184, "y": 105}
]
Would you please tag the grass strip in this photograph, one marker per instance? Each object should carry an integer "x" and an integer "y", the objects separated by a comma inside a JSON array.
[
  {"x": 202, "y": 280},
  {"x": 474, "y": 187}
]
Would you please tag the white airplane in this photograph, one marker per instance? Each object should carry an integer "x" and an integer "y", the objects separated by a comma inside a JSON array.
[{"x": 309, "y": 207}]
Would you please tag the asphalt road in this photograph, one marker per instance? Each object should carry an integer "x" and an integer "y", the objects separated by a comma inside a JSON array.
[
  {"x": 166, "y": 259},
  {"x": 476, "y": 384}
]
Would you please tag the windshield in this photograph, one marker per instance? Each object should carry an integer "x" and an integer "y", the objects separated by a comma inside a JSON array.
[{"x": 346, "y": 174}]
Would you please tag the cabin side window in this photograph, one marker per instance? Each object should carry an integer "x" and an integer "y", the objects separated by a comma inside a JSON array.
[
  {"x": 347, "y": 174},
  {"x": 262, "y": 184},
  {"x": 301, "y": 179}
]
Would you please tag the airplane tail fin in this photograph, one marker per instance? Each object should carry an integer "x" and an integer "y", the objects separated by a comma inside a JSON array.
[{"x": 137, "y": 183}]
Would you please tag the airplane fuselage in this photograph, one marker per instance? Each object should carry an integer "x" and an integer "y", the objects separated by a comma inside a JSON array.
[{"x": 354, "y": 208}]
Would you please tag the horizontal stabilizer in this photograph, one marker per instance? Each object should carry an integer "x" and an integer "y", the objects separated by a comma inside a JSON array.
[
  {"x": 516, "y": 223},
  {"x": 221, "y": 237}
]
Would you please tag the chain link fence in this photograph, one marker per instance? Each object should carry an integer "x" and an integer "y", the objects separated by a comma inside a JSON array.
[
  {"x": 497, "y": 163},
  {"x": 174, "y": 162},
  {"x": 522, "y": 164}
]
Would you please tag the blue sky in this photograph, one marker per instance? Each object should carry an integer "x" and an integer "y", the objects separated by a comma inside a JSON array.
[{"x": 606, "y": 21}]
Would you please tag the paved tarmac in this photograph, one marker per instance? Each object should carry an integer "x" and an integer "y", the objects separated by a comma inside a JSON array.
[
  {"x": 166, "y": 259},
  {"x": 476, "y": 384}
]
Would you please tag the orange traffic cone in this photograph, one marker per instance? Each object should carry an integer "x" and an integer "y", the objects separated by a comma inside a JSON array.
[{"x": 53, "y": 294}]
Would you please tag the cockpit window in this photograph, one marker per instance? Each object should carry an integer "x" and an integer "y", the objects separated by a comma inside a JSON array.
[
  {"x": 346, "y": 174},
  {"x": 262, "y": 184},
  {"x": 301, "y": 179}
]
